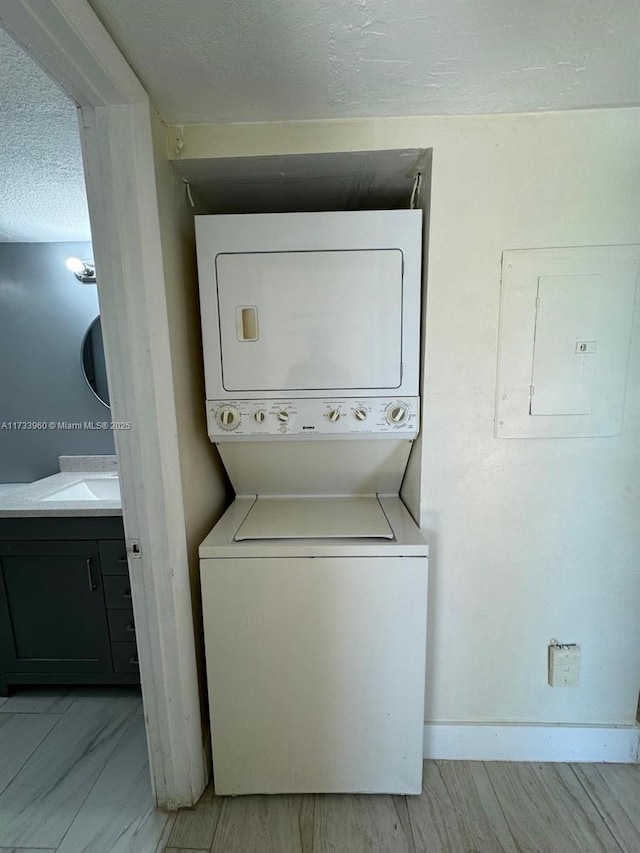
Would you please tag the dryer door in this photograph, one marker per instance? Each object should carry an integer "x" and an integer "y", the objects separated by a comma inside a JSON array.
[{"x": 315, "y": 320}]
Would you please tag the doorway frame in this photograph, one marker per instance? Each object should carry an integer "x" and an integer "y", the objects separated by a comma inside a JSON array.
[{"x": 66, "y": 38}]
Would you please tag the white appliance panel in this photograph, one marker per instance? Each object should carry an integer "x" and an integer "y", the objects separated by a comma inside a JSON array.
[
  {"x": 315, "y": 518},
  {"x": 293, "y": 304},
  {"x": 314, "y": 320},
  {"x": 298, "y": 467},
  {"x": 316, "y": 673},
  {"x": 360, "y": 417}
]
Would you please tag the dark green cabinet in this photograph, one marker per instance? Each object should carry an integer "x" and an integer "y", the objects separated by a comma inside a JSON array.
[
  {"x": 65, "y": 605},
  {"x": 52, "y": 599}
]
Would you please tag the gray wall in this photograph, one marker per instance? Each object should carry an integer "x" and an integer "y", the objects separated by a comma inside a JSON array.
[{"x": 44, "y": 314}]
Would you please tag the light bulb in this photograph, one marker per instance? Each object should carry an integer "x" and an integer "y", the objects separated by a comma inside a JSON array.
[{"x": 75, "y": 265}]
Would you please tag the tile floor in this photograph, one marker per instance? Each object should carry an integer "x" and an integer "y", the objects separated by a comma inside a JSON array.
[
  {"x": 465, "y": 807},
  {"x": 74, "y": 774}
]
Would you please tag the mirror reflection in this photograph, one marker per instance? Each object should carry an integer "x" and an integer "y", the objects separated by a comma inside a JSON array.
[{"x": 93, "y": 364}]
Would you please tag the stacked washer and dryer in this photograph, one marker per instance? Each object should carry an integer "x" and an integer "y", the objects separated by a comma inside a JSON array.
[{"x": 314, "y": 582}]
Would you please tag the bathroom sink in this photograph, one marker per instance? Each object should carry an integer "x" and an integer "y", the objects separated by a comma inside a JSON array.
[{"x": 89, "y": 489}]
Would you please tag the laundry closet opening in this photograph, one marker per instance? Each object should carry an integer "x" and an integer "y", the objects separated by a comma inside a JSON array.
[
  {"x": 391, "y": 179},
  {"x": 311, "y": 306},
  {"x": 295, "y": 183}
]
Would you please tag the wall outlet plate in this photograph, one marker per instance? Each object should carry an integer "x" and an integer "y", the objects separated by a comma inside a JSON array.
[{"x": 564, "y": 665}]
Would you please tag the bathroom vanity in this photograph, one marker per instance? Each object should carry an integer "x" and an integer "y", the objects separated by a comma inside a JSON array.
[{"x": 66, "y": 615}]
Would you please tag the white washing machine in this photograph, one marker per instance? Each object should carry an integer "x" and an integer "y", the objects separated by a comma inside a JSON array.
[{"x": 314, "y": 582}]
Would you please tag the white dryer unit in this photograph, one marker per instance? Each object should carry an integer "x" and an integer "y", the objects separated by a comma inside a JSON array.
[
  {"x": 310, "y": 304},
  {"x": 314, "y": 582}
]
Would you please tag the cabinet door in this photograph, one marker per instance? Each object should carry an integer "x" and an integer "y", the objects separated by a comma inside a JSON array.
[{"x": 52, "y": 611}]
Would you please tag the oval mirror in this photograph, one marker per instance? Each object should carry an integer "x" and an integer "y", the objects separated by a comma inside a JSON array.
[{"x": 93, "y": 364}]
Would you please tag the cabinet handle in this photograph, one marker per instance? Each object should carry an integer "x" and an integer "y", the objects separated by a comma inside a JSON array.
[
  {"x": 92, "y": 586},
  {"x": 126, "y": 593},
  {"x": 131, "y": 628},
  {"x": 123, "y": 560},
  {"x": 134, "y": 659}
]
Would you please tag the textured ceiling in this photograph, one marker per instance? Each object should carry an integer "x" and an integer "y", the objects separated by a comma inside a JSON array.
[
  {"x": 262, "y": 60},
  {"x": 42, "y": 192}
]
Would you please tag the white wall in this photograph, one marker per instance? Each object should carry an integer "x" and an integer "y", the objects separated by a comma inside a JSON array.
[
  {"x": 204, "y": 482},
  {"x": 530, "y": 539}
]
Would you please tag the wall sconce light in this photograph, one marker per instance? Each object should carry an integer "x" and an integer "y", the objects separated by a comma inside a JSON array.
[{"x": 84, "y": 271}]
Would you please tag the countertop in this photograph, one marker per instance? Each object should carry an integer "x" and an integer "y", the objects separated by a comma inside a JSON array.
[{"x": 25, "y": 499}]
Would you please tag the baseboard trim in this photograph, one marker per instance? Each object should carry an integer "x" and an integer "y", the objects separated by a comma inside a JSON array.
[{"x": 532, "y": 742}]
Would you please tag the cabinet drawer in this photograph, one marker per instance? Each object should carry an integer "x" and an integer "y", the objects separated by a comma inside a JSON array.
[
  {"x": 121, "y": 626},
  {"x": 125, "y": 657},
  {"x": 113, "y": 557},
  {"x": 117, "y": 592}
]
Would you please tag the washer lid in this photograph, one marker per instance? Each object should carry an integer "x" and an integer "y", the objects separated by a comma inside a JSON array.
[{"x": 315, "y": 518}]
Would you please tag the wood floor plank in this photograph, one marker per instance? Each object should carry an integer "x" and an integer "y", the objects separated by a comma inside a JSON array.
[
  {"x": 548, "y": 810},
  {"x": 174, "y": 850},
  {"x": 362, "y": 823},
  {"x": 195, "y": 828},
  {"x": 38, "y": 700},
  {"x": 615, "y": 791},
  {"x": 166, "y": 832},
  {"x": 39, "y": 805},
  {"x": 118, "y": 815},
  {"x": 20, "y": 736},
  {"x": 265, "y": 824},
  {"x": 458, "y": 811}
]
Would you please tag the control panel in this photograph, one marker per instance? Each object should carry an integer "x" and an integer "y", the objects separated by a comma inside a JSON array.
[{"x": 376, "y": 417}]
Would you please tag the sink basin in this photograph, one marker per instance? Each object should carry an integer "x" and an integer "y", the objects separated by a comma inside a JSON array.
[{"x": 89, "y": 489}]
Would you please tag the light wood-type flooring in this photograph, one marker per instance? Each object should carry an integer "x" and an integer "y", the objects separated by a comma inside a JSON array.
[
  {"x": 74, "y": 779},
  {"x": 74, "y": 773},
  {"x": 465, "y": 807}
]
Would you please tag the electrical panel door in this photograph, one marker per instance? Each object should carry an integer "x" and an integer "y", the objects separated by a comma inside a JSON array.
[
  {"x": 566, "y": 318},
  {"x": 565, "y": 344}
]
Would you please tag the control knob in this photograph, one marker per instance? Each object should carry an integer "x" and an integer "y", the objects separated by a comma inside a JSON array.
[
  {"x": 361, "y": 414},
  {"x": 228, "y": 417},
  {"x": 260, "y": 416},
  {"x": 283, "y": 416},
  {"x": 397, "y": 414},
  {"x": 334, "y": 415}
]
